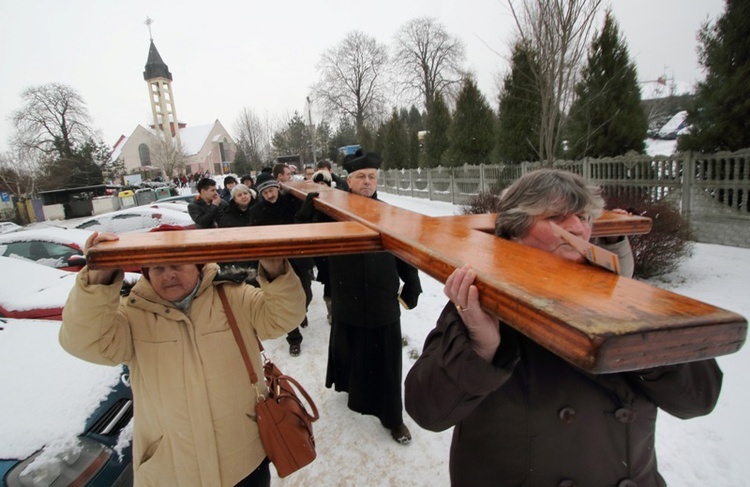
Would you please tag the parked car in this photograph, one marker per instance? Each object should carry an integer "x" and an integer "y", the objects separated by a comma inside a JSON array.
[
  {"x": 61, "y": 248},
  {"x": 7, "y": 227},
  {"x": 32, "y": 291},
  {"x": 187, "y": 198},
  {"x": 64, "y": 421},
  {"x": 181, "y": 206},
  {"x": 136, "y": 219}
]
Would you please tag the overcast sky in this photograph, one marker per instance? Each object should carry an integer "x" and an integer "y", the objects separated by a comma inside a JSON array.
[{"x": 225, "y": 55}]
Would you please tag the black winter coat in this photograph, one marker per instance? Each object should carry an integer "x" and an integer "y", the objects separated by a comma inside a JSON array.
[
  {"x": 206, "y": 215},
  {"x": 233, "y": 216},
  {"x": 531, "y": 419},
  {"x": 365, "y": 287},
  {"x": 280, "y": 213}
]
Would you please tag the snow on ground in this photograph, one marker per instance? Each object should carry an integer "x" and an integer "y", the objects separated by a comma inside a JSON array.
[{"x": 356, "y": 450}]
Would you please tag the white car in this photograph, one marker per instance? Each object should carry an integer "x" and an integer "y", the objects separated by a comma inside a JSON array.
[
  {"x": 64, "y": 421},
  {"x": 136, "y": 219},
  {"x": 7, "y": 227}
]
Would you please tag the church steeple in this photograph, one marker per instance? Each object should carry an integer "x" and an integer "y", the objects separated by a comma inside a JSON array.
[
  {"x": 159, "y": 81},
  {"x": 155, "y": 67}
]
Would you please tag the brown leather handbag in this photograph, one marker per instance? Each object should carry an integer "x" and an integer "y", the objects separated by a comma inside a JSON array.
[{"x": 284, "y": 423}]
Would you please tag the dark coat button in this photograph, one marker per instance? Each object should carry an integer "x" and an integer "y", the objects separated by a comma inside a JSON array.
[
  {"x": 567, "y": 483},
  {"x": 567, "y": 414},
  {"x": 625, "y": 415},
  {"x": 627, "y": 483}
]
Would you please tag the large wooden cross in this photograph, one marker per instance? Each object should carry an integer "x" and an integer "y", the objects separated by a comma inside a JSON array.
[{"x": 596, "y": 320}]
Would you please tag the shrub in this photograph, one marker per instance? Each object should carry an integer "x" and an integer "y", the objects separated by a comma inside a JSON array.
[
  {"x": 656, "y": 253},
  {"x": 484, "y": 202},
  {"x": 670, "y": 240}
]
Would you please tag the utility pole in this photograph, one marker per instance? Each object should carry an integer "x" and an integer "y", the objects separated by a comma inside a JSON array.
[{"x": 312, "y": 129}]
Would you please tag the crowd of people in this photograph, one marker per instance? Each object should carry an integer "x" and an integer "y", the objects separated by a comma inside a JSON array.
[{"x": 522, "y": 415}]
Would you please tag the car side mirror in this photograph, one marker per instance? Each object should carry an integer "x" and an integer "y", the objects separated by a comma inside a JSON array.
[{"x": 76, "y": 261}]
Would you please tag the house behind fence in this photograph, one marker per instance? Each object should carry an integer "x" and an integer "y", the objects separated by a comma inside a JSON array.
[{"x": 711, "y": 191}]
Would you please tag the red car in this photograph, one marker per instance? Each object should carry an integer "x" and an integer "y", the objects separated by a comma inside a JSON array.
[{"x": 61, "y": 248}]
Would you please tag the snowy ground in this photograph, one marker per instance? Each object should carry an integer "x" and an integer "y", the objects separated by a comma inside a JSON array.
[{"x": 357, "y": 450}]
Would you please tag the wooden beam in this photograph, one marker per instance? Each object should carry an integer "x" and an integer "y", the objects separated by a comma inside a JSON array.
[
  {"x": 596, "y": 320},
  {"x": 609, "y": 224},
  {"x": 234, "y": 244}
]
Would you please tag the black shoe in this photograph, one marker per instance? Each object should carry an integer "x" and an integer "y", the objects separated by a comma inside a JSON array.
[
  {"x": 401, "y": 434},
  {"x": 304, "y": 323},
  {"x": 294, "y": 350}
]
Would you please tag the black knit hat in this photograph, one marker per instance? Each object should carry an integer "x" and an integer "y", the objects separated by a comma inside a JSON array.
[
  {"x": 362, "y": 160},
  {"x": 265, "y": 181}
]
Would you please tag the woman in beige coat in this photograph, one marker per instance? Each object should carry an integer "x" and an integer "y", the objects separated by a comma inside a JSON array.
[{"x": 194, "y": 408}]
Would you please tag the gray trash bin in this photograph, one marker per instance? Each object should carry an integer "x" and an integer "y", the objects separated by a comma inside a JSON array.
[{"x": 145, "y": 196}]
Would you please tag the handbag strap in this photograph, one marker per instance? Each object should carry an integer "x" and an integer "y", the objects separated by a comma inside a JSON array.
[{"x": 237, "y": 335}]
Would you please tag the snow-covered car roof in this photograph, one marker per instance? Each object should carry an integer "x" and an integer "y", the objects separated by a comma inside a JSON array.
[
  {"x": 136, "y": 219},
  {"x": 181, "y": 206},
  {"x": 47, "y": 393},
  {"x": 65, "y": 236},
  {"x": 7, "y": 227},
  {"x": 34, "y": 291}
]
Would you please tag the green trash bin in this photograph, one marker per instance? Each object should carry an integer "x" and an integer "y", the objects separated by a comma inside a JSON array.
[{"x": 162, "y": 192}]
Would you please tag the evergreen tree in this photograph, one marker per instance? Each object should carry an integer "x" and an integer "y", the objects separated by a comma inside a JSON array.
[
  {"x": 415, "y": 120},
  {"x": 395, "y": 151},
  {"x": 606, "y": 118},
  {"x": 241, "y": 164},
  {"x": 346, "y": 134},
  {"x": 519, "y": 115},
  {"x": 378, "y": 143},
  {"x": 720, "y": 116},
  {"x": 437, "y": 124},
  {"x": 294, "y": 138},
  {"x": 472, "y": 132}
]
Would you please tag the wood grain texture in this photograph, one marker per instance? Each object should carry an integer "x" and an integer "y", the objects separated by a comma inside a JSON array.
[
  {"x": 596, "y": 320},
  {"x": 609, "y": 224},
  {"x": 233, "y": 244}
]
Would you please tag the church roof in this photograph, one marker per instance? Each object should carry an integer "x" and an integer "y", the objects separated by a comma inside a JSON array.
[
  {"x": 155, "y": 67},
  {"x": 193, "y": 138}
]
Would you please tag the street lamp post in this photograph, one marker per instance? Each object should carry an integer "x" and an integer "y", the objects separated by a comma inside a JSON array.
[{"x": 312, "y": 129}]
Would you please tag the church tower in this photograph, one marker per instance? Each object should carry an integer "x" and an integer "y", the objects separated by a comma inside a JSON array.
[{"x": 159, "y": 81}]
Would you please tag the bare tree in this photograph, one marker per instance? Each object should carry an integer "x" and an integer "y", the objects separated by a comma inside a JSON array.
[
  {"x": 428, "y": 60},
  {"x": 558, "y": 33},
  {"x": 19, "y": 172},
  {"x": 53, "y": 121},
  {"x": 254, "y": 137},
  {"x": 352, "y": 79},
  {"x": 169, "y": 156}
]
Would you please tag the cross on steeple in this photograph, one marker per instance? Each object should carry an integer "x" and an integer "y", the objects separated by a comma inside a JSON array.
[{"x": 148, "y": 23}]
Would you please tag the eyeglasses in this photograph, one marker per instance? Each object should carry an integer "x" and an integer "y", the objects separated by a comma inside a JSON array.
[{"x": 362, "y": 177}]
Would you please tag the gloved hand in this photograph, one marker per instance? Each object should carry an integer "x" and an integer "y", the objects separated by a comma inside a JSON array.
[
  {"x": 409, "y": 296},
  {"x": 307, "y": 211}
]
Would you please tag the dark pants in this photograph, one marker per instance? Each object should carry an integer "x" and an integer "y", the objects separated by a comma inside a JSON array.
[
  {"x": 261, "y": 477},
  {"x": 295, "y": 337}
]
